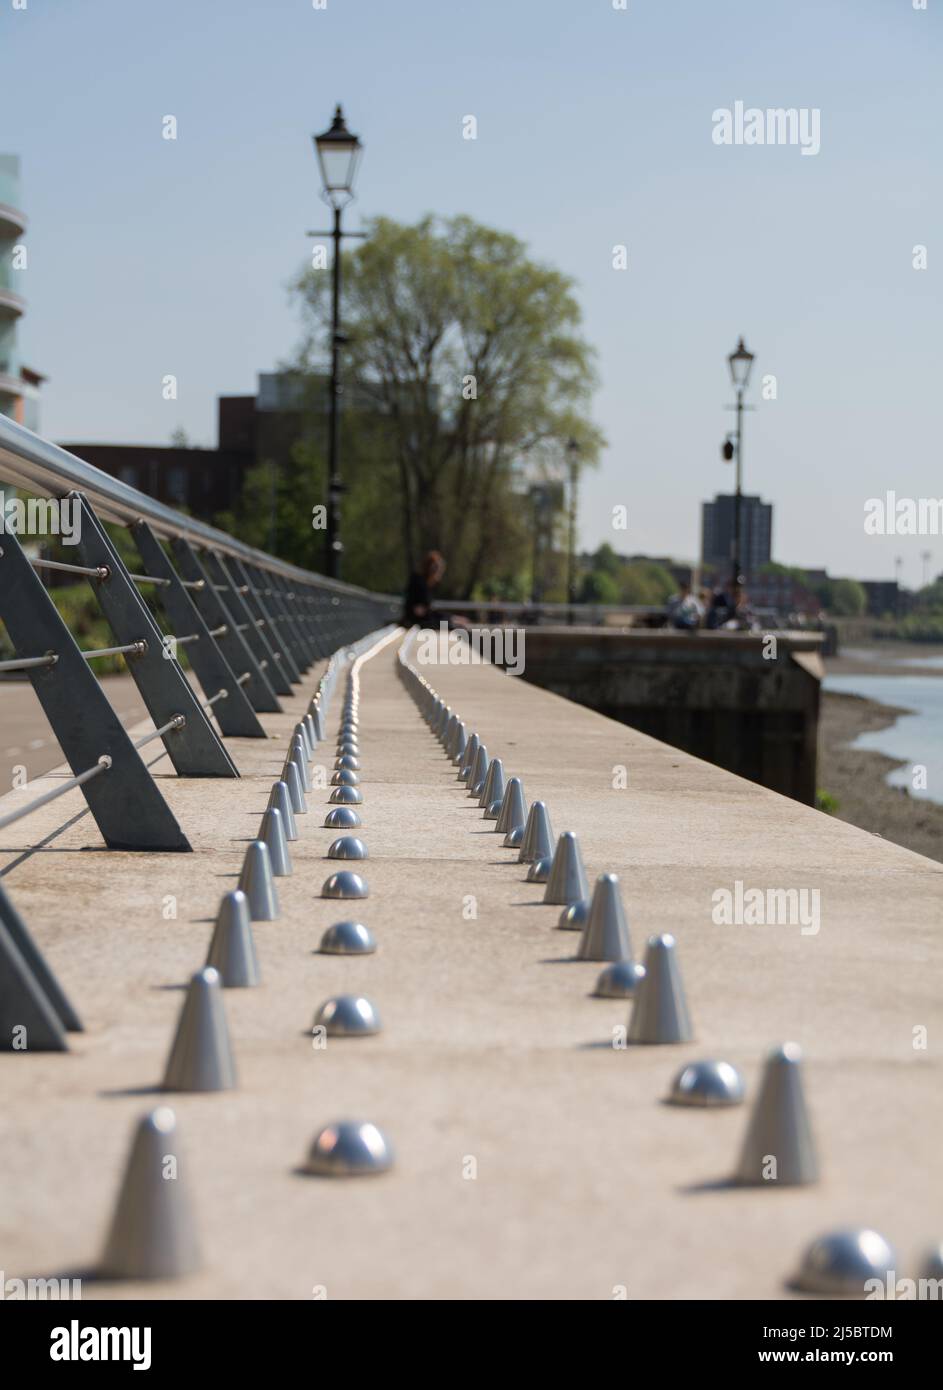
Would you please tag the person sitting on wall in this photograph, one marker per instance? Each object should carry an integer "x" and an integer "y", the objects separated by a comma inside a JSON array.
[
  {"x": 684, "y": 609},
  {"x": 417, "y": 606}
]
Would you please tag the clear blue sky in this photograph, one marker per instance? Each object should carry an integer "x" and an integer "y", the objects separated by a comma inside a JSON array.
[{"x": 151, "y": 257}]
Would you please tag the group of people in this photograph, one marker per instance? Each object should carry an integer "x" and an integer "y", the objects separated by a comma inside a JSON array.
[{"x": 721, "y": 608}]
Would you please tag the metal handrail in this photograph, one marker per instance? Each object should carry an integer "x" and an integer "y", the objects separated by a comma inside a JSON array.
[{"x": 28, "y": 461}]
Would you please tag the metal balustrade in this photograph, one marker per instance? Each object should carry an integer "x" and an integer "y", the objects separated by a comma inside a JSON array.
[{"x": 251, "y": 624}]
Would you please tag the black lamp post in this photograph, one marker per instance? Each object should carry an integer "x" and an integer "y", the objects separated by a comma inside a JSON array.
[
  {"x": 740, "y": 361},
  {"x": 338, "y": 153},
  {"x": 573, "y": 460}
]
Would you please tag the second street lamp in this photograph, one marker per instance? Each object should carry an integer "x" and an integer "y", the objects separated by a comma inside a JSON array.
[
  {"x": 573, "y": 458},
  {"x": 740, "y": 362},
  {"x": 338, "y": 151}
]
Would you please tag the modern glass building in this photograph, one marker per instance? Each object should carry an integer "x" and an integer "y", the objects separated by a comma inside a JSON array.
[{"x": 19, "y": 386}]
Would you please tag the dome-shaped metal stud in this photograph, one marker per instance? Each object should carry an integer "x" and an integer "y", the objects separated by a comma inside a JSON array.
[
  {"x": 348, "y": 762},
  {"x": 281, "y": 800},
  {"x": 272, "y": 831},
  {"x": 513, "y": 810},
  {"x": 292, "y": 780},
  {"x": 232, "y": 949},
  {"x": 707, "y": 1083},
  {"x": 347, "y": 1016},
  {"x": 346, "y": 796},
  {"x": 342, "y": 818},
  {"x": 257, "y": 883},
  {"x": 348, "y": 748},
  {"x": 344, "y": 777},
  {"x": 660, "y": 1011},
  {"x": 575, "y": 917},
  {"x": 932, "y": 1267},
  {"x": 201, "y": 1055},
  {"x": 345, "y": 884},
  {"x": 619, "y": 980},
  {"x": 538, "y": 835},
  {"x": 538, "y": 871},
  {"x": 152, "y": 1233},
  {"x": 349, "y": 1149},
  {"x": 348, "y": 939},
  {"x": 467, "y": 762},
  {"x": 479, "y": 772},
  {"x": 347, "y": 847},
  {"x": 778, "y": 1148},
  {"x": 493, "y": 786},
  {"x": 606, "y": 933},
  {"x": 566, "y": 882},
  {"x": 842, "y": 1261}
]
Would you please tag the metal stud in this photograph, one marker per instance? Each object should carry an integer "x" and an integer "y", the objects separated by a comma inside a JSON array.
[
  {"x": 232, "y": 948},
  {"x": 346, "y": 796},
  {"x": 347, "y": 1016},
  {"x": 272, "y": 831},
  {"x": 660, "y": 1011},
  {"x": 349, "y": 1149},
  {"x": 257, "y": 883},
  {"x": 538, "y": 835},
  {"x": 514, "y": 838},
  {"x": 707, "y": 1083},
  {"x": 347, "y": 939},
  {"x": 301, "y": 731},
  {"x": 152, "y": 1233},
  {"x": 567, "y": 880},
  {"x": 279, "y": 798},
  {"x": 606, "y": 933},
  {"x": 538, "y": 871},
  {"x": 342, "y": 818},
  {"x": 347, "y": 847},
  {"x": 468, "y": 758},
  {"x": 493, "y": 789},
  {"x": 343, "y": 777},
  {"x": 348, "y": 762},
  {"x": 297, "y": 756},
  {"x": 842, "y": 1261},
  {"x": 292, "y": 780},
  {"x": 933, "y": 1266},
  {"x": 779, "y": 1127},
  {"x": 459, "y": 744},
  {"x": 201, "y": 1056},
  {"x": 575, "y": 917},
  {"x": 513, "y": 811},
  {"x": 345, "y": 884}
]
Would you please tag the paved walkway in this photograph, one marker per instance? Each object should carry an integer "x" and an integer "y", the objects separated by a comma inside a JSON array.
[{"x": 491, "y": 1050}]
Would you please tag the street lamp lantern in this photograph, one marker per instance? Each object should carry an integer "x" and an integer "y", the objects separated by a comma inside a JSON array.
[
  {"x": 740, "y": 361},
  {"x": 338, "y": 152}
]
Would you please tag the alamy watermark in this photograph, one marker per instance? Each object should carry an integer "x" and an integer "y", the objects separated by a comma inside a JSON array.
[
  {"x": 891, "y": 515},
  {"x": 776, "y": 125},
  {"x": 42, "y": 516},
  {"x": 767, "y": 907},
  {"x": 472, "y": 646}
]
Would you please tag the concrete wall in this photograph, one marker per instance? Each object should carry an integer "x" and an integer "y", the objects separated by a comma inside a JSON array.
[{"x": 714, "y": 694}]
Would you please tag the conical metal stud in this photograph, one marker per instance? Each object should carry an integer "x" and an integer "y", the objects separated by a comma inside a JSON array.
[
  {"x": 479, "y": 772},
  {"x": 346, "y": 796},
  {"x": 459, "y": 744},
  {"x": 312, "y": 734},
  {"x": 538, "y": 835},
  {"x": 343, "y": 777},
  {"x": 707, "y": 1083},
  {"x": 342, "y": 818},
  {"x": 467, "y": 762},
  {"x": 232, "y": 948},
  {"x": 513, "y": 811},
  {"x": 292, "y": 780},
  {"x": 575, "y": 917},
  {"x": 272, "y": 831},
  {"x": 280, "y": 799},
  {"x": 841, "y": 1262},
  {"x": 448, "y": 733},
  {"x": 201, "y": 1056},
  {"x": 298, "y": 757},
  {"x": 347, "y": 847},
  {"x": 538, "y": 871},
  {"x": 493, "y": 788},
  {"x": 778, "y": 1148},
  {"x": 348, "y": 939},
  {"x": 257, "y": 883},
  {"x": 301, "y": 731},
  {"x": 348, "y": 762},
  {"x": 345, "y": 884},
  {"x": 315, "y": 712},
  {"x": 606, "y": 933},
  {"x": 153, "y": 1233},
  {"x": 567, "y": 882},
  {"x": 932, "y": 1267},
  {"x": 348, "y": 1016},
  {"x": 660, "y": 1011},
  {"x": 349, "y": 1149},
  {"x": 620, "y": 980}
]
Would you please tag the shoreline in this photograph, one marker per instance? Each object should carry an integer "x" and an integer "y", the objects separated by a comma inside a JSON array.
[{"x": 855, "y": 777}]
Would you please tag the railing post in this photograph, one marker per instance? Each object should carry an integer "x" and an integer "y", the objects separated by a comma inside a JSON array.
[
  {"x": 255, "y": 637},
  {"x": 258, "y": 604}
]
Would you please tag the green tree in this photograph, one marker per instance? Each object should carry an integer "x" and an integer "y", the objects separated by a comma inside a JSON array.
[
  {"x": 844, "y": 598},
  {"x": 470, "y": 355}
]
